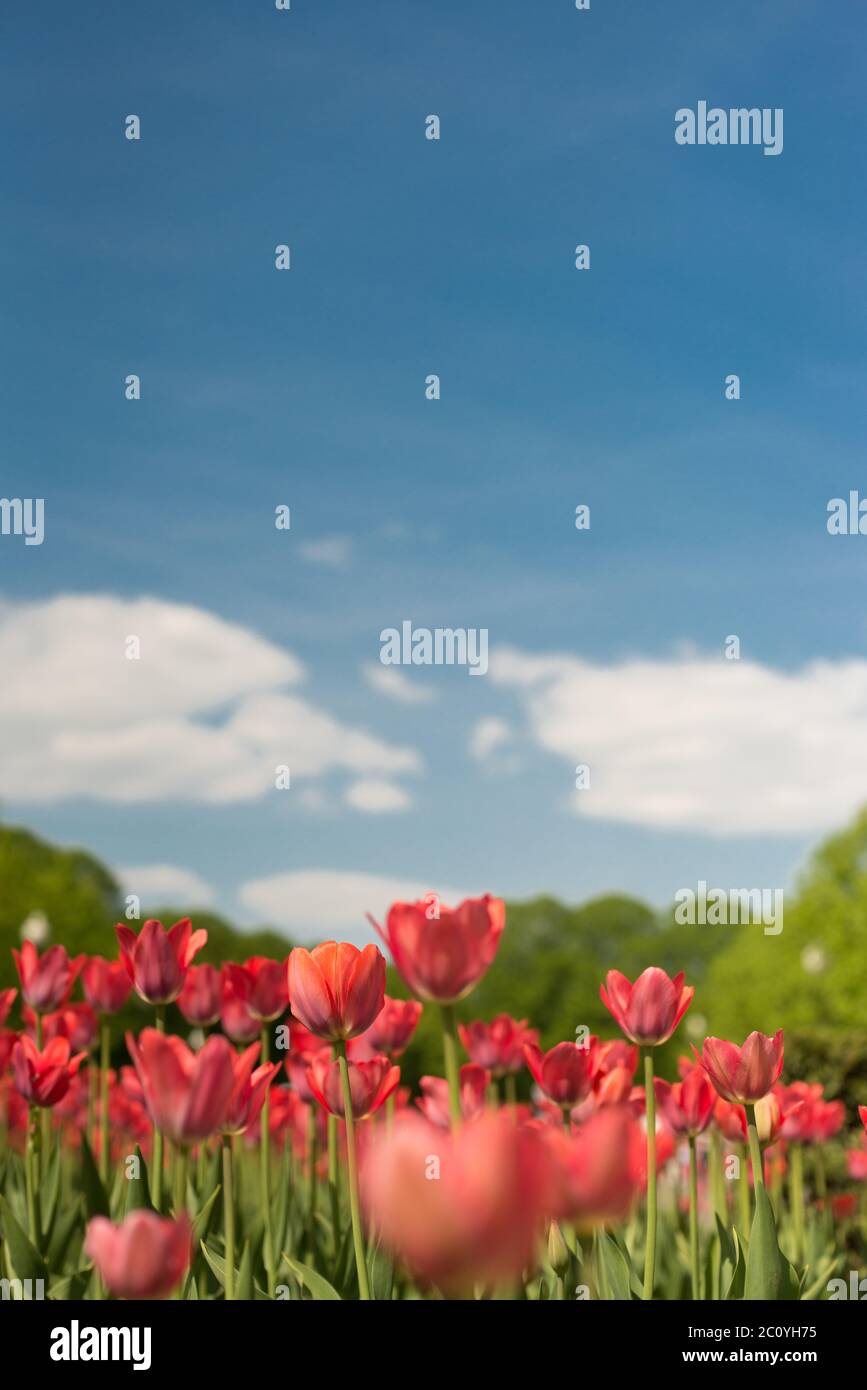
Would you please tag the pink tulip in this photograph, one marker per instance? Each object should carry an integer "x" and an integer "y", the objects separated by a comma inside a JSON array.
[
  {"x": 106, "y": 984},
  {"x": 565, "y": 1074},
  {"x": 187, "y": 1093},
  {"x": 263, "y": 985},
  {"x": 46, "y": 983},
  {"x": 441, "y": 953},
  {"x": 745, "y": 1074},
  {"x": 144, "y": 1257},
  {"x": 649, "y": 1010},
  {"x": 43, "y": 1078},
  {"x": 390, "y": 1032},
  {"x": 370, "y": 1084},
  {"x": 236, "y": 1017},
  {"x": 335, "y": 990},
  {"x": 498, "y": 1046},
  {"x": 201, "y": 998},
  {"x": 157, "y": 960},
  {"x": 434, "y": 1100},
  {"x": 250, "y": 1089},
  {"x": 688, "y": 1104}
]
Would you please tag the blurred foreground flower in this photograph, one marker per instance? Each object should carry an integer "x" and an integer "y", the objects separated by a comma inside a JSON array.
[
  {"x": 146, "y": 1256},
  {"x": 187, "y": 1093}
]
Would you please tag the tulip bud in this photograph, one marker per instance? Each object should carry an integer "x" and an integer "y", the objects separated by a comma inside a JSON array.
[{"x": 558, "y": 1252}]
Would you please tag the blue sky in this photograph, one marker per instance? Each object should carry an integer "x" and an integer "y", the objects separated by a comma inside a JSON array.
[{"x": 605, "y": 387}]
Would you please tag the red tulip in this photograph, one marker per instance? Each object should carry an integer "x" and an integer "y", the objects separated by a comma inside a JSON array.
[
  {"x": 7, "y": 999},
  {"x": 157, "y": 960},
  {"x": 498, "y": 1046},
  {"x": 815, "y": 1120},
  {"x": 862, "y": 1115},
  {"x": 773, "y": 1112},
  {"x": 434, "y": 1101},
  {"x": 391, "y": 1030},
  {"x": 106, "y": 984},
  {"x": 731, "y": 1121},
  {"x": 744, "y": 1074},
  {"x": 43, "y": 1078},
  {"x": 201, "y": 998},
  {"x": 262, "y": 982},
  {"x": 600, "y": 1165},
  {"x": 688, "y": 1104},
  {"x": 443, "y": 953},
  {"x": 370, "y": 1084},
  {"x": 460, "y": 1207},
  {"x": 649, "y": 1010},
  {"x": 856, "y": 1159},
  {"x": 248, "y": 1096},
  {"x": 237, "y": 1020},
  {"x": 565, "y": 1074},
  {"x": 187, "y": 1093},
  {"x": 146, "y": 1256},
  {"x": 336, "y": 990},
  {"x": 46, "y": 983},
  {"x": 76, "y": 1022}
]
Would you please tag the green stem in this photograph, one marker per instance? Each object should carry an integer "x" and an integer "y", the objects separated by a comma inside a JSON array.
[
  {"x": 334, "y": 1181},
  {"x": 693, "y": 1220},
  {"x": 181, "y": 1160},
  {"x": 265, "y": 1170},
  {"x": 755, "y": 1148},
  {"x": 650, "y": 1112},
  {"x": 30, "y": 1177},
  {"x": 229, "y": 1216},
  {"x": 313, "y": 1190},
  {"x": 511, "y": 1088},
  {"x": 744, "y": 1194},
  {"x": 450, "y": 1054},
  {"x": 157, "y": 1157},
  {"x": 352, "y": 1166},
  {"x": 796, "y": 1198},
  {"x": 104, "y": 1130}
]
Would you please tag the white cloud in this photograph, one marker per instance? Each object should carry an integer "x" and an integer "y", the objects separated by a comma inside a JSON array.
[
  {"x": 375, "y": 794},
  {"x": 316, "y": 904},
  {"x": 158, "y": 884},
  {"x": 487, "y": 736},
  {"x": 702, "y": 743},
  {"x": 333, "y": 551},
  {"x": 396, "y": 685},
  {"x": 201, "y": 716}
]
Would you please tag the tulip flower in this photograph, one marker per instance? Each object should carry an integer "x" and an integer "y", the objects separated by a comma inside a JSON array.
[
  {"x": 336, "y": 990},
  {"x": 106, "y": 984},
  {"x": 434, "y": 1100},
  {"x": 745, "y": 1074},
  {"x": 157, "y": 960},
  {"x": 43, "y": 1076},
  {"x": 648, "y": 1012},
  {"x": 187, "y": 1093},
  {"x": 390, "y": 1032},
  {"x": 144, "y": 1257},
  {"x": 370, "y": 1084},
  {"x": 237, "y": 1019},
  {"x": 442, "y": 954},
  {"x": 7, "y": 999},
  {"x": 464, "y": 1207},
  {"x": 731, "y": 1121},
  {"x": 498, "y": 1046},
  {"x": 600, "y": 1167},
  {"x": 250, "y": 1089},
  {"x": 687, "y": 1105},
  {"x": 201, "y": 997},
  {"x": 565, "y": 1074},
  {"x": 856, "y": 1159},
  {"x": 262, "y": 982},
  {"x": 862, "y": 1115},
  {"x": 46, "y": 982}
]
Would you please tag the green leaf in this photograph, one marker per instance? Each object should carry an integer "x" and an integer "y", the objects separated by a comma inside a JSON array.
[
  {"x": 65, "y": 1225},
  {"x": 138, "y": 1196},
  {"x": 203, "y": 1216},
  {"x": 95, "y": 1200},
  {"x": 244, "y": 1282},
  {"x": 381, "y": 1274},
  {"x": 768, "y": 1272},
  {"x": 317, "y": 1285},
  {"x": 26, "y": 1259},
  {"x": 616, "y": 1268}
]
